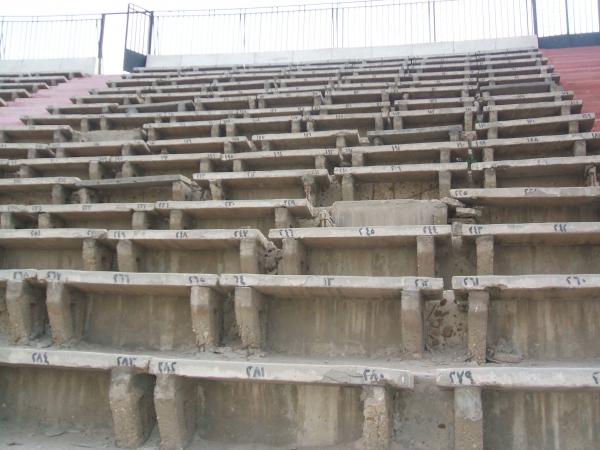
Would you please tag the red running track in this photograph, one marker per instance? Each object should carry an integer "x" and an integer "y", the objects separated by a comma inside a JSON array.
[{"x": 579, "y": 70}]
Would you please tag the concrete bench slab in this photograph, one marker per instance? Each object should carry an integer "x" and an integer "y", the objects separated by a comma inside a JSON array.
[
  {"x": 566, "y": 233},
  {"x": 36, "y": 190},
  {"x": 415, "y": 135},
  {"x": 284, "y": 372},
  {"x": 174, "y": 106},
  {"x": 25, "y": 150},
  {"x": 531, "y": 110},
  {"x": 577, "y": 144},
  {"x": 100, "y": 148},
  {"x": 370, "y": 237},
  {"x": 426, "y": 152},
  {"x": 94, "y": 108},
  {"x": 11, "y": 94},
  {"x": 121, "y": 99},
  {"x": 36, "y": 133},
  {"x": 309, "y": 139},
  {"x": 432, "y": 103},
  {"x": 318, "y": 158},
  {"x": 555, "y": 96},
  {"x": 56, "y": 238},
  {"x": 232, "y": 144},
  {"x": 521, "y": 377},
  {"x": 527, "y": 196}
]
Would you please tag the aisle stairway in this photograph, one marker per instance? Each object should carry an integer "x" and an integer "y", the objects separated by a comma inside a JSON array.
[{"x": 381, "y": 254}]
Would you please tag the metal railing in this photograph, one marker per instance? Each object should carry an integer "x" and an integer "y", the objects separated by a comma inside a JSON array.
[
  {"x": 365, "y": 23},
  {"x": 45, "y": 37},
  {"x": 340, "y": 24}
]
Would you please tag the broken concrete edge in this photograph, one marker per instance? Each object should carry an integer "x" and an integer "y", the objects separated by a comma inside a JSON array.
[
  {"x": 520, "y": 377},
  {"x": 303, "y": 373}
]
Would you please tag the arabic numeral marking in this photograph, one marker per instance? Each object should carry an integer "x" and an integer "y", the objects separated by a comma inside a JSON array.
[{"x": 471, "y": 281}]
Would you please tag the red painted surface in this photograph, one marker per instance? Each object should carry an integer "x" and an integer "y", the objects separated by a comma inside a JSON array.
[
  {"x": 56, "y": 95},
  {"x": 579, "y": 70}
]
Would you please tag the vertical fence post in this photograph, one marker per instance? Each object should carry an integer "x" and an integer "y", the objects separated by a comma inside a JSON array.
[
  {"x": 101, "y": 43},
  {"x": 534, "y": 16},
  {"x": 150, "y": 29},
  {"x": 567, "y": 15}
]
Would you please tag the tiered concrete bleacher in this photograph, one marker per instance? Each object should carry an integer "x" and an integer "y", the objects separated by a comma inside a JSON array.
[{"x": 377, "y": 254}]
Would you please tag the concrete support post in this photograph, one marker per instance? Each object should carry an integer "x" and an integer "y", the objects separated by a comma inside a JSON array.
[
  {"x": 377, "y": 413},
  {"x": 492, "y": 133},
  {"x": 347, "y": 188},
  {"x": 215, "y": 130},
  {"x": 445, "y": 156},
  {"x": 296, "y": 126},
  {"x": 59, "y": 302},
  {"x": 378, "y": 125},
  {"x": 26, "y": 172},
  {"x": 239, "y": 165},
  {"x": 175, "y": 405},
  {"x": 358, "y": 159},
  {"x": 96, "y": 170},
  {"x": 573, "y": 127},
  {"x": 230, "y": 130},
  {"x": 128, "y": 169},
  {"x": 397, "y": 123},
  {"x": 445, "y": 183},
  {"x": 129, "y": 256},
  {"x": 579, "y": 148},
  {"x": 59, "y": 195},
  {"x": 179, "y": 220},
  {"x": 86, "y": 195},
  {"x": 485, "y": 255},
  {"x": 127, "y": 150},
  {"x": 180, "y": 192},
  {"x": 591, "y": 176},
  {"x": 141, "y": 220},
  {"x": 468, "y": 418},
  {"x": 132, "y": 405},
  {"x": 250, "y": 315},
  {"x": 468, "y": 120},
  {"x": 321, "y": 162},
  {"x": 488, "y": 154},
  {"x": 250, "y": 256},
  {"x": 47, "y": 220},
  {"x": 310, "y": 188},
  {"x": 8, "y": 221},
  {"x": 217, "y": 190},
  {"x": 489, "y": 178},
  {"x": 26, "y": 311},
  {"x": 284, "y": 218},
  {"x": 293, "y": 261},
  {"x": 412, "y": 323},
  {"x": 207, "y": 316},
  {"x": 95, "y": 255},
  {"x": 477, "y": 320},
  {"x": 426, "y": 256}
]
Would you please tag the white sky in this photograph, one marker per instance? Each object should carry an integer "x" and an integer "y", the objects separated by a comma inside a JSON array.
[{"x": 288, "y": 31}]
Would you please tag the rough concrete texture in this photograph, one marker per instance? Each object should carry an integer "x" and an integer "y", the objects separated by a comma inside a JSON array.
[{"x": 382, "y": 254}]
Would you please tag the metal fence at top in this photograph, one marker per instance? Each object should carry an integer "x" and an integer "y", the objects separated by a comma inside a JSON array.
[
  {"x": 42, "y": 37},
  {"x": 364, "y": 23},
  {"x": 339, "y": 24}
]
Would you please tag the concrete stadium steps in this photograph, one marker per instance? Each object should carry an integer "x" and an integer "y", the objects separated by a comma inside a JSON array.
[{"x": 378, "y": 254}]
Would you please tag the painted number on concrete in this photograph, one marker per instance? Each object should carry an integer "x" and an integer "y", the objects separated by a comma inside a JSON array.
[
  {"x": 470, "y": 281},
  {"x": 167, "y": 366},
  {"x": 255, "y": 372},
  {"x": 372, "y": 376},
  {"x": 596, "y": 377},
  {"x": 40, "y": 358},
  {"x": 126, "y": 361},
  {"x": 461, "y": 377},
  {"x": 574, "y": 280},
  {"x": 366, "y": 231},
  {"x": 121, "y": 278}
]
